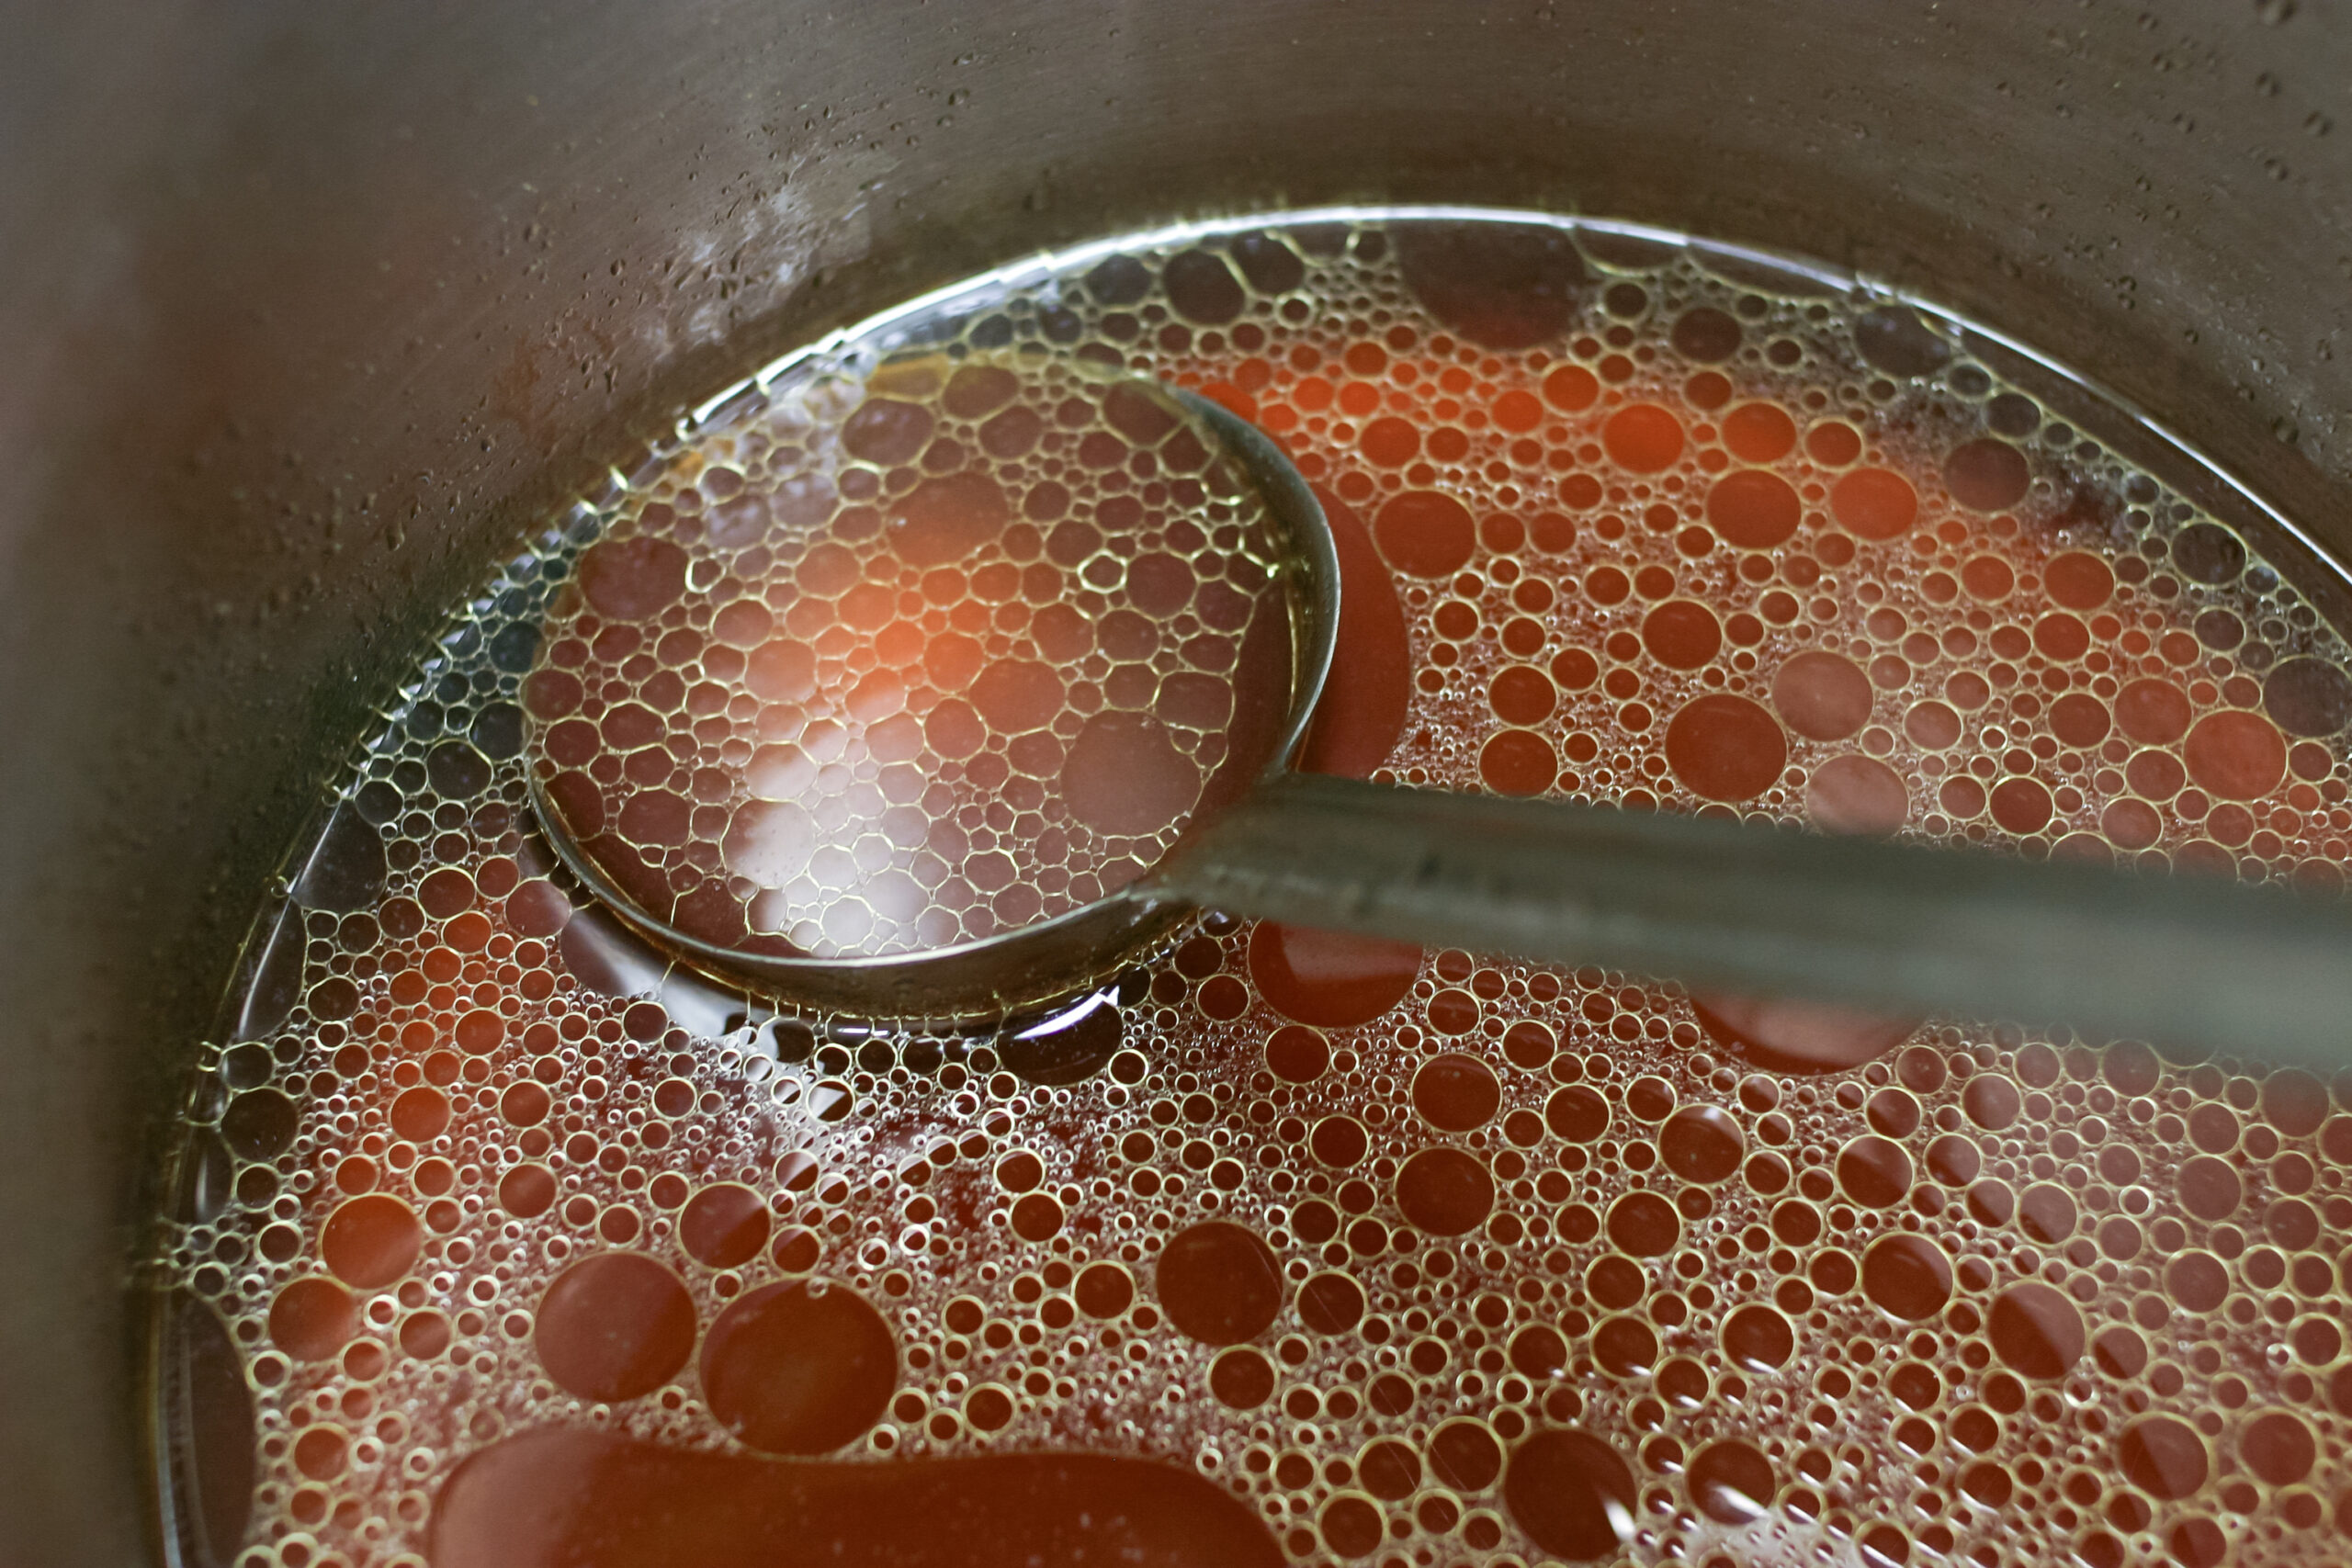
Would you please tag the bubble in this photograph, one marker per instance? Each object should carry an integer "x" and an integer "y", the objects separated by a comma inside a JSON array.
[
  {"x": 1877, "y": 504},
  {"x": 1987, "y": 475},
  {"x": 633, "y": 580},
  {"x": 1517, "y": 761},
  {"x": 1297, "y": 1055},
  {"x": 1643, "y": 437},
  {"x": 1788, "y": 1035},
  {"x": 1124, "y": 776},
  {"x": 2235, "y": 755},
  {"x": 1329, "y": 979},
  {"x": 1705, "y": 335},
  {"x": 1758, "y": 1337},
  {"x": 2278, "y": 1447},
  {"x": 1576, "y": 1113},
  {"x": 1538, "y": 1352},
  {"x": 2197, "y": 1280},
  {"x": 2046, "y": 1214},
  {"x": 1992, "y": 1101},
  {"x": 1330, "y": 1303},
  {"x": 1464, "y": 1455},
  {"x": 2308, "y": 696},
  {"x": 371, "y": 1241},
  {"x": 1875, "y": 1171},
  {"x": 527, "y": 1192},
  {"x": 1625, "y": 1346},
  {"x": 799, "y": 1369},
  {"x": 1894, "y": 339},
  {"x": 1522, "y": 695},
  {"x": 1351, "y": 1526},
  {"x": 1571, "y": 1494},
  {"x": 1068, "y": 1044},
  {"x": 1219, "y": 1283},
  {"x": 1201, "y": 287},
  {"x": 1682, "y": 635},
  {"x": 1823, "y": 697},
  {"x": 1759, "y": 433},
  {"x": 259, "y": 1125},
  {"x": 1103, "y": 1290},
  {"x": 2163, "y": 1456},
  {"x": 1425, "y": 533},
  {"x": 1444, "y": 1191},
  {"x": 1857, "y": 794},
  {"x": 1752, "y": 510},
  {"x": 1908, "y": 1276},
  {"x": 2022, "y": 806},
  {"x": 2036, "y": 1330},
  {"x": 1702, "y": 1143},
  {"x": 312, "y": 1319},
  {"x": 724, "y": 1226},
  {"x": 615, "y": 1326},
  {"x": 1725, "y": 748},
  {"x": 1338, "y": 1141},
  {"x": 1645, "y": 1225},
  {"x": 1455, "y": 1092},
  {"x": 1732, "y": 1482},
  {"x": 2207, "y": 552},
  {"x": 1241, "y": 1379},
  {"x": 1502, "y": 286}
]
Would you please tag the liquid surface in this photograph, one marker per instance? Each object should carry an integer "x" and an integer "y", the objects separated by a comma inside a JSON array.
[{"x": 500, "y": 1227}]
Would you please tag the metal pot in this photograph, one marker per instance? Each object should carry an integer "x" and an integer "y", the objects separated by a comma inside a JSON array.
[{"x": 308, "y": 310}]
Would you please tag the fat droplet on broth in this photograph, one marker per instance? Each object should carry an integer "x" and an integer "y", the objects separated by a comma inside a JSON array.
[{"x": 1339, "y": 1245}]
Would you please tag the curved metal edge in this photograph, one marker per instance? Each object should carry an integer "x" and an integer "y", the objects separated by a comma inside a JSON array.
[
  {"x": 1317, "y": 589},
  {"x": 999, "y": 974}
]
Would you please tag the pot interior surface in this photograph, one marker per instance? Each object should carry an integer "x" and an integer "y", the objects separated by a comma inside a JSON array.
[{"x": 308, "y": 319}]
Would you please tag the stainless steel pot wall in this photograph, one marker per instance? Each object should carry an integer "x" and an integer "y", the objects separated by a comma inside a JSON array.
[{"x": 305, "y": 310}]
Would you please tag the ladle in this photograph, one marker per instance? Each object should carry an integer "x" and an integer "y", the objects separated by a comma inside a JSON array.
[{"x": 1718, "y": 904}]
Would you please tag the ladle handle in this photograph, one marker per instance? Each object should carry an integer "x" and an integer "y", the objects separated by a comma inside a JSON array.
[{"x": 1757, "y": 910}]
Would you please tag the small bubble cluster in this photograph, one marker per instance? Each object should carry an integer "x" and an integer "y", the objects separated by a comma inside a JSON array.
[{"x": 1414, "y": 1258}]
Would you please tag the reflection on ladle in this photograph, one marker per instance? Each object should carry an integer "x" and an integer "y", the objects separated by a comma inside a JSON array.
[{"x": 803, "y": 768}]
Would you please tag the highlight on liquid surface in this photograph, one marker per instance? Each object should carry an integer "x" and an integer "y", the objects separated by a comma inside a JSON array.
[{"x": 504, "y": 1240}]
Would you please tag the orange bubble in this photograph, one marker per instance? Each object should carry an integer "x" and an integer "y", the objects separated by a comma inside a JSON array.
[
  {"x": 1759, "y": 433},
  {"x": 724, "y": 1226},
  {"x": 1725, "y": 748},
  {"x": 1518, "y": 411},
  {"x": 1219, "y": 1283},
  {"x": 2078, "y": 581},
  {"x": 1391, "y": 442},
  {"x": 2236, "y": 755},
  {"x": 371, "y": 1241},
  {"x": 1874, "y": 503},
  {"x": 1326, "y": 979},
  {"x": 1683, "y": 634},
  {"x": 1988, "y": 578},
  {"x": 1823, "y": 697},
  {"x": 1517, "y": 761},
  {"x": 1643, "y": 437},
  {"x": 1522, "y": 695},
  {"x": 1833, "y": 443},
  {"x": 615, "y": 1326},
  {"x": 1571, "y": 388},
  {"x": 312, "y": 1319},
  {"x": 1857, "y": 794},
  {"x": 2152, "y": 712},
  {"x": 1425, "y": 534},
  {"x": 1753, "y": 509}
]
